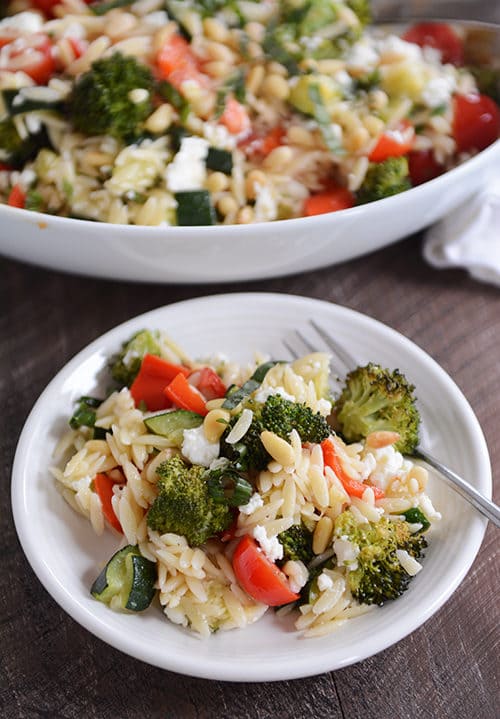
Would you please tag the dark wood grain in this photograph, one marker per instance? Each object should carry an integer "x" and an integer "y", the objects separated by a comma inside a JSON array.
[{"x": 51, "y": 667}]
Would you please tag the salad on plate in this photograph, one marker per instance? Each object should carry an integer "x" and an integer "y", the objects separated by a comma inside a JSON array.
[{"x": 232, "y": 489}]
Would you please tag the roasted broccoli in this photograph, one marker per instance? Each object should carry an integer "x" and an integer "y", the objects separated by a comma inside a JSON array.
[
  {"x": 126, "y": 364},
  {"x": 375, "y": 399},
  {"x": 377, "y": 575},
  {"x": 105, "y": 100},
  {"x": 184, "y": 505},
  {"x": 384, "y": 179},
  {"x": 297, "y": 544},
  {"x": 278, "y": 415}
]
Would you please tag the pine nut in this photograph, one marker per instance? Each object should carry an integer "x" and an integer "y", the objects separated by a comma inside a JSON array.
[
  {"x": 255, "y": 179},
  {"x": 421, "y": 475},
  {"x": 254, "y": 79},
  {"x": 215, "y": 423},
  {"x": 217, "y": 182},
  {"x": 277, "y": 68},
  {"x": 278, "y": 158},
  {"x": 322, "y": 536},
  {"x": 278, "y": 448},
  {"x": 275, "y": 87},
  {"x": 218, "y": 51},
  {"x": 245, "y": 216},
  {"x": 356, "y": 140},
  {"x": 160, "y": 120},
  {"x": 300, "y": 136},
  {"x": 215, "y": 30},
  {"x": 227, "y": 205},
  {"x": 216, "y": 68},
  {"x": 255, "y": 31},
  {"x": 373, "y": 124}
]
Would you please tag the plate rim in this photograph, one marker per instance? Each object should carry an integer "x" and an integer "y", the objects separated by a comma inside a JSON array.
[{"x": 227, "y": 671}]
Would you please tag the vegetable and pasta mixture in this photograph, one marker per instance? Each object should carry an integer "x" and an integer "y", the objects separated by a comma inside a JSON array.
[
  {"x": 162, "y": 112},
  {"x": 239, "y": 488}
]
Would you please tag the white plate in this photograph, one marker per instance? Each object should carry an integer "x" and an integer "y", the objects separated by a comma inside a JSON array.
[{"x": 65, "y": 554}]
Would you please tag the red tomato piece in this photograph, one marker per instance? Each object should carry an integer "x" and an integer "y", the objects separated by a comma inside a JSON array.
[
  {"x": 235, "y": 117},
  {"x": 149, "y": 385},
  {"x": 259, "y": 577},
  {"x": 17, "y": 197},
  {"x": 331, "y": 200},
  {"x": 353, "y": 487},
  {"x": 177, "y": 63},
  {"x": 423, "y": 166},
  {"x": 393, "y": 143},
  {"x": 32, "y": 55},
  {"x": 440, "y": 36},
  {"x": 47, "y": 6},
  {"x": 262, "y": 145},
  {"x": 476, "y": 122},
  {"x": 103, "y": 485},
  {"x": 208, "y": 382}
]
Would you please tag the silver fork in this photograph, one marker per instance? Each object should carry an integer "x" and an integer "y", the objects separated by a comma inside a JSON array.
[{"x": 486, "y": 507}]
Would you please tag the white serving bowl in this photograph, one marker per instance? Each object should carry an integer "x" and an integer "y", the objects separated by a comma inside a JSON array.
[{"x": 236, "y": 252}]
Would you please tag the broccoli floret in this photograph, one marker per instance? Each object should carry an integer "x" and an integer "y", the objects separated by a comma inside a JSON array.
[
  {"x": 378, "y": 575},
  {"x": 384, "y": 179},
  {"x": 184, "y": 505},
  {"x": 102, "y": 104},
  {"x": 376, "y": 399},
  {"x": 278, "y": 415},
  {"x": 362, "y": 8},
  {"x": 127, "y": 363},
  {"x": 297, "y": 544}
]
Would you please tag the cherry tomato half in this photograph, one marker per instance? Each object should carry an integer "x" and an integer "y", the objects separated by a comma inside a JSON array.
[
  {"x": 208, "y": 382},
  {"x": 423, "y": 166},
  {"x": 331, "y": 200},
  {"x": 259, "y": 577},
  {"x": 476, "y": 122},
  {"x": 32, "y": 55},
  {"x": 439, "y": 36}
]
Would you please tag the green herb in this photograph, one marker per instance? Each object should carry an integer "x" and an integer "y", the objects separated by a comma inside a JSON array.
[{"x": 324, "y": 121}]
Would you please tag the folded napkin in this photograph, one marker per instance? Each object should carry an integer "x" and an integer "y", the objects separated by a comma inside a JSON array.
[{"x": 470, "y": 236}]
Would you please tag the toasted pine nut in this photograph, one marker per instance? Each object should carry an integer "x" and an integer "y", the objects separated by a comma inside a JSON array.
[
  {"x": 217, "y": 182},
  {"x": 160, "y": 119},
  {"x": 322, "y": 536},
  {"x": 277, "y": 69},
  {"x": 278, "y": 158},
  {"x": 215, "y": 30},
  {"x": 382, "y": 438},
  {"x": 245, "y": 215},
  {"x": 255, "y": 178},
  {"x": 278, "y": 448},
  {"x": 275, "y": 86},
  {"x": 254, "y": 79},
  {"x": 216, "y": 68},
  {"x": 215, "y": 423},
  {"x": 255, "y": 31},
  {"x": 218, "y": 51},
  {"x": 300, "y": 136},
  {"x": 356, "y": 140},
  {"x": 227, "y": 205}
]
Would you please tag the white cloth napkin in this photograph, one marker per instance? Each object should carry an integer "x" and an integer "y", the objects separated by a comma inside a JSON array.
[{"x": 470, "y": 236}]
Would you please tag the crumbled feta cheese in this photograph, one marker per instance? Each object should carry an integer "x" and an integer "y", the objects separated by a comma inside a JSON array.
[
  {"x": 396, "y": 47},
  {"x": 310, "y": 43},
  {"x": 253, "y": 503},
  {"x": 264, "y": 392},
  {"x": 188, "y": 170},
  {"x": 324, "y": 582},
  {"x": 197, "y": 449},
  {"x": 409, "y": 563},
  {"x": 344, "y": 80},
  {"x": 438, "y": 90},
  {"x": 389, "y": 464},
  {"x": 269, "y": 545},
  {"x": 346, "y": 552},
  {"x": 362, "y": 55},
  {"x": 28, "y": 22},
  {"x": 266, "y": 207},
  {"x": 219, "y": 136}
]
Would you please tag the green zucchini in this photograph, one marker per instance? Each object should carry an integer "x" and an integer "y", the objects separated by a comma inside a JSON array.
[
  {"x": 101, "y": 8},
  {"x": 194, "y": 207},
  {"x": 32, "y": 99},
  {"x": 219, "y": 160},
  {"x": 172, "y": 424},
  {"x": 129, "y": 577}
]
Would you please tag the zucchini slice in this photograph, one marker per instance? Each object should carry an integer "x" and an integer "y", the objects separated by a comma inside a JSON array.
[
  {"x": 220, "y": 160},
  {"x": 173, "y": 424},
  {"x": 127, "y": 581},
  {"x": 32, "y": 99},
  {"x": 195, "y": 208}
]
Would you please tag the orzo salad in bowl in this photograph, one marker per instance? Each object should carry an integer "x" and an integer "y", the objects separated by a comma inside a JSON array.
[
  {"x": 226, "y": 517},
  {"x": 161, "y": 113}
]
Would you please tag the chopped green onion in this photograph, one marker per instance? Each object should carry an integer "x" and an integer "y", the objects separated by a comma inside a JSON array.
[
  {"x": 227, "y": 486},
  {"x": 324, "y": 121},
  {"x": 84, "y": 415},
  {"x": 235, "y": 396}
]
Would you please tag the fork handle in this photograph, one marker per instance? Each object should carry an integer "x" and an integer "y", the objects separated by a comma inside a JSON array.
[{"x": 485, "y": 506}]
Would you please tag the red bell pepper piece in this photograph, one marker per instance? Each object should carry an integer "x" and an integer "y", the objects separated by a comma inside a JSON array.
[
  {"x": 154, "y": 375},
  {"x": 103, "y": 485},
  {"x": 185, "y": 396},
  {"x": 353, "y": 487},
  {"x": 17, "y": 197}
]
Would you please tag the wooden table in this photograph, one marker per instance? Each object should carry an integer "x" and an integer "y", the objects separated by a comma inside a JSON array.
[{"x": 51, "y": 667}]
